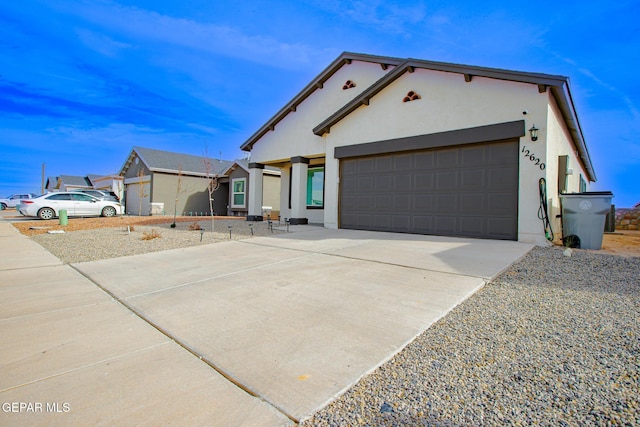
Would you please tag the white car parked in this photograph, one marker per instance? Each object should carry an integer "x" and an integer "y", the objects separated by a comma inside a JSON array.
[
  {"x": 13, "y": 200},
  {"x": 49, "y": 205}
]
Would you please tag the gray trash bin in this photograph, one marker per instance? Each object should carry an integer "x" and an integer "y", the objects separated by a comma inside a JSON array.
[{"x": 584, "y": 214}]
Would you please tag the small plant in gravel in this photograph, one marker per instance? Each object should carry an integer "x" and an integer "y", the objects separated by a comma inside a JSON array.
[
  {"x": 194, "y": 226},
  {"x": 150, "y": 235}
]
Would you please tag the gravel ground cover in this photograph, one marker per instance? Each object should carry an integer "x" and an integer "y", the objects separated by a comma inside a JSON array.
[
  {"x": 554, "y": 340},
  {"x": 92, "y": 244}
]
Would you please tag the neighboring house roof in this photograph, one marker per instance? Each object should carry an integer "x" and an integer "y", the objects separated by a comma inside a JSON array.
[
  {"x": 76, "y": 181},
  {"x": 244, "y": 164},
  {"x": 558, "y": 85},
  {"x": 170, "y": 162}
]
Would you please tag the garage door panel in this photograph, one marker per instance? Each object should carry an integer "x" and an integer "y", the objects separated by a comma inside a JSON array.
[
  {"x": 423, "y": 223},
  {"x": 502, "y": 227},
  {"x": 424, "y": 161},
  {"x": 384, "y": 164},
  {"x": 403, "y": 182},
  {"x": 423, "y": 181},
  {"x": 447, "y": 179},
  {"x": 500, "y": 203},
  {"x": 366, "y": 165},
  {"x": 384, "y": 183},
  {"x": 366, "y": 184},
  {"x": 381, "y": 223},
  {"x": 367, "y": 202},
  {"x": 423, "y": 202},
  {"x": 403, "y": 161},
  {"x": 401, "y": 223},
  {"x": 473, "y": 157},
  {"x": 447, "y": 158},
  {"x": 500, "y": 154},
  {"x": 444, "y": 225},
  {"x": 473, "y": 202},
  {"x": 402, "y": 203},
  {"x": 469, "y": 190},
  {"x": 502, "y": 178},
  {"x": 473, "y": 226},
  {"x": 446, "y": 203},
  {"x": 473, "y": 178}
]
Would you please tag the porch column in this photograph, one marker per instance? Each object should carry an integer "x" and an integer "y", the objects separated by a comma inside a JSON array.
[
  {"x": 300, "y": 166},
  {"x": 255, "y": 191}
]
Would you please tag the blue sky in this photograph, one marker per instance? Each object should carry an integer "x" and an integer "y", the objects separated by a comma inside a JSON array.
[{"x": 82, "y": 82}]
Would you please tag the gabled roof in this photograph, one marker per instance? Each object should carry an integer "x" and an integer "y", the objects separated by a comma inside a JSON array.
[
  {"x": 558, "y": 86},
  {"x": 317, "y": 83},
  {"x": 170, "y": 162},
  {"x": 244, "y": 164},
  {"x": 76, "y": 181}
]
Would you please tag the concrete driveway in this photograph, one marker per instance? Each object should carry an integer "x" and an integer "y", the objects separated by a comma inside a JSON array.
[
  {"x": 270, "y": 328},
  {"x": 296, "y": 319}
]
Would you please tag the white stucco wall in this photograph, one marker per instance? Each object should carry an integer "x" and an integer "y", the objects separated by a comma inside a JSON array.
[
  {"x": 293, "y": 136},
  {"x": 559, "y": 143}
]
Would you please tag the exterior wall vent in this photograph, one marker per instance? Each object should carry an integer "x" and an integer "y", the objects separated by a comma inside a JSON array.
[
  {"x": 411, "y": 96},
  {"x": 348, "y": 85}
]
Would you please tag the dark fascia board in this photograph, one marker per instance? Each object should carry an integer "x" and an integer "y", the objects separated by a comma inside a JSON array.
[
  {"x": 125, "y": 165},
  {"x": 411, "y": 64},
  {"x": 559, "y": 86},
  {"x": 562, "y": 95},
  {"x": 316, "y": 83},
  {"x": 495, "y": 132}
]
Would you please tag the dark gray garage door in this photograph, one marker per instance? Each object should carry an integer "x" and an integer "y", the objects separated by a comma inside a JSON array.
[{"x": 466, "y": 190}]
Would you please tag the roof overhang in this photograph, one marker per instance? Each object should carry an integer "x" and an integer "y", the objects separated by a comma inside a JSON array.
[
  {"x": 317, "y": 83},
  {"x": 558, "y": 85}
]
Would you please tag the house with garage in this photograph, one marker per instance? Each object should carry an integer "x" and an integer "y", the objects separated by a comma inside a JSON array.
[
  {"x": 415, "y": 146},
  {"x": 69, "y": 182},
  {"x": 163, "y": 182}
]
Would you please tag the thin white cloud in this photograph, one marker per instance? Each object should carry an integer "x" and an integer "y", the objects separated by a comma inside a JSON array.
[
  {"x": 101, "y": 43},
  {"x": 384, "y": 16},
  {"x": 130, "y": 25}
]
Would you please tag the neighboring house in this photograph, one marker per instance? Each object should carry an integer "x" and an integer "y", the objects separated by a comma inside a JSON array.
[
  {"x": 405, "y": 145},
  {"x": 92, "y": 181},
  {"x": 68, "y": 182},
  {"x": 159, "y": 181},
  {"x": 113, "y": 183},
  {"x": 238, "y": 176}
]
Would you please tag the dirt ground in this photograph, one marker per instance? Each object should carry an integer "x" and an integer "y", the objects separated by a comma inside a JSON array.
[
  {"x": 32, "y": 228},
  {"x": 622, "y": 242}
]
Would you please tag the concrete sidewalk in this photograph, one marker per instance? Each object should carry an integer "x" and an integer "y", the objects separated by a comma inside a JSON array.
[
  {"x": 191, "y": 335},
  {"x": 72, "y": 355}
]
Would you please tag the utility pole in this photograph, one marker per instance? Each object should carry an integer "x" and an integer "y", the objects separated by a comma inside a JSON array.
[{"x": 42, "y": 186}]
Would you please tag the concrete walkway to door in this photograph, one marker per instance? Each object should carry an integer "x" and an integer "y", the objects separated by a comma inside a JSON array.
[{"x": 287, "y": 322}]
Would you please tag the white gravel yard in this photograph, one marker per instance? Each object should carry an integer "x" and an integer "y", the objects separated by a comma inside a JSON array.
[
  {"x": 552, "y": 341},
  {"x": 106, "y": 243}
]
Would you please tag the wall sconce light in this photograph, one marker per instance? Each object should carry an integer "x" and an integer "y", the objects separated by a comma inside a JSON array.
[{"x": 534, "y": 133}]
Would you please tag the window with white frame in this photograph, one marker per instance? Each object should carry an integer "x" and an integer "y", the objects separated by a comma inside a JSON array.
[
  {"x": 239, "y": 193},
  {"x": 315, "y": 187}
]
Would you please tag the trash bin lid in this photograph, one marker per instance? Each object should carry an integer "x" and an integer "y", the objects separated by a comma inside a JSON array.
[{"x": 588, "y": 194}]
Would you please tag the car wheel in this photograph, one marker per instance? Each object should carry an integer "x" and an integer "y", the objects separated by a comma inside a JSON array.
[
  {"x": 109, "y": 211},
  {"x": 46, "y": 213},
  {"x": 3, "y": 206}
]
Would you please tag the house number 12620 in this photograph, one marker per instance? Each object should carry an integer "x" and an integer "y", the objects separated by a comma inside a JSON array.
[{"x": 529, "y": 155}]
